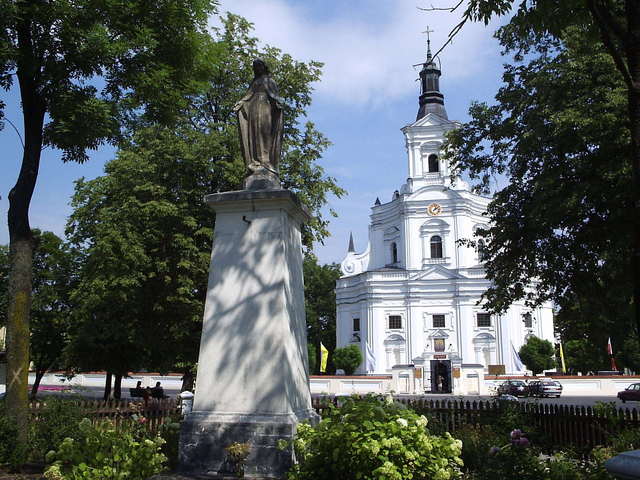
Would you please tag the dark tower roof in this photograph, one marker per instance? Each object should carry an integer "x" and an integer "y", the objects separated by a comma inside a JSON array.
[
  {"x": 351, "y": 246},
  {"x": 431, "y": 100}
]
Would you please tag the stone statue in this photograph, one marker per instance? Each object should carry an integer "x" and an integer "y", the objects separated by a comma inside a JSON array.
[{"x": 260, "y": 123}]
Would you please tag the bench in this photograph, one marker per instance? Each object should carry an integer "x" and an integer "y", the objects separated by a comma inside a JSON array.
[
  {"x": 141, "y": 393},
  {"x": 137, "y": 392}
]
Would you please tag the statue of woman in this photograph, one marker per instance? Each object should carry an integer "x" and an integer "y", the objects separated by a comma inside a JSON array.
[{"x": 260, "y": 124}]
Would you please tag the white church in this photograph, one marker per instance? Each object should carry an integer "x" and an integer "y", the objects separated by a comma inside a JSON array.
[{"x": 411, "y": 299}]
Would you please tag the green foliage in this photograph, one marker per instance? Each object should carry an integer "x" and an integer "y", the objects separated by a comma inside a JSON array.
[
  {"x": 347, "y": 358},
  {"x": 148, "y": 56},
  {"x": 537, "y": 354},
  {"x": 170, "y": 433},
  {"x": 237, "y": 454},
  {"x": 311, "y": 355},
  {"x": 369, "y": 438},
  {"x": 145, "y": 226},
  {"x": 558, "y": 132},
  {"x": 517, "y": 462},
  {"x": 54, "y": 276},
  {"x": 56, "y": 420},
  {"x": 103, "y": 452},
  {"x": 476, "y": 440},
  {"x": 12, "y": 453},
  {"x": 320, "y": 307},
  {"x": 4, "y": 284}
]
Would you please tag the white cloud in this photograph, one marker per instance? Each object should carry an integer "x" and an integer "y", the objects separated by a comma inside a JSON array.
[{"x": 367, "y": 61}]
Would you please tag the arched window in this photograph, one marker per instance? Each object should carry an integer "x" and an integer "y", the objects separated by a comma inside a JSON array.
[
  {"x": 434, "y": 165},
  {"x": 394, "y": 253},
  {"x": 436, "y": 247},
  {"x": 482, "y": 251}
]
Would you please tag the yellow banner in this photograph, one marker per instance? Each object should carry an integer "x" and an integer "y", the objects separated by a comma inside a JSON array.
[
  {"x": 564, "y": 367},
  {"x": 324, "y": 355}
]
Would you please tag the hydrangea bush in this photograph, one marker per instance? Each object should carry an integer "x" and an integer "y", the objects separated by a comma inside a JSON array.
[
  {"x": 102, "y": 452},
  {"x": 374, "y": 438}
]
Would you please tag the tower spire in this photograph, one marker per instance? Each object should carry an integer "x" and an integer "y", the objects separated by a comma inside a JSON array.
[
  {"x": 351, "y": 246},
  {"x": 430, "y": 100}
]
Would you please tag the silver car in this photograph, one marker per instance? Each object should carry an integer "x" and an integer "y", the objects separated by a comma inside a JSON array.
[{"x": 545, "y": 388}]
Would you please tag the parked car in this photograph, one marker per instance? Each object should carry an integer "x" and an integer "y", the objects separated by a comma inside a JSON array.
[
  {"x": 632, "y": 392},
  {"x": 545, "y": 388},
  {"x": 517, "y": 388}
]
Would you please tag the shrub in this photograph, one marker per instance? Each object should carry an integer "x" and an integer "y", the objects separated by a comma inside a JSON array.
[
  {"x": 476, "y": 440},
  {"x": 102, "y": 452},
  {"x": 56, "y": 420},
  {"x": 371, "y": 438},
  {"x": 12, "y": 453},
  {"x": 170, "y": 433},
  {"x": 537, "y": 354},
  {"x": 347, "y": 358}
]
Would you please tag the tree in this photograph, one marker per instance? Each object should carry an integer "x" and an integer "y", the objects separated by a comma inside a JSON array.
[
  {"x": 54, "y": 276},
  {"x": 537, "y": 354},
  {"x": 583, "y": 356},
  {"x": 347, "y": 358},
  {"x": 86, "y": 72},
  {"x": 320, "y": 306},
  {"x": 558, "y": 132},
  {"x": 147, "y": 228},
  {"x": 541, "y": 26},
  {"x": 4, "y": 285}
]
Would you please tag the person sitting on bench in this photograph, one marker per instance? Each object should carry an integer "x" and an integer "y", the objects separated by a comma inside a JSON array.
[{"x": 157, "y": 391}]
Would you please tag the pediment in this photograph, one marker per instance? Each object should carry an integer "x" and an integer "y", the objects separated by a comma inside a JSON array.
[
  {"x": 433, "y": 193},
  {"x": 430, "y": 120},
  {"x": 436, "y": 272},
  {"x": 439, "y": 334}
]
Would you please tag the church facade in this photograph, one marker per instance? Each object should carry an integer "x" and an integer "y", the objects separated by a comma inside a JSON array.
[{"x": 410, "y": 300}]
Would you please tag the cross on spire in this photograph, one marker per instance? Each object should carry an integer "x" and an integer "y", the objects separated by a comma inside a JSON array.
[{"x": 428, "y": 31}]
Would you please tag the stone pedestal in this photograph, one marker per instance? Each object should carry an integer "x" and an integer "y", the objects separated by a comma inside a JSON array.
[{"x": 252, "y": 383}]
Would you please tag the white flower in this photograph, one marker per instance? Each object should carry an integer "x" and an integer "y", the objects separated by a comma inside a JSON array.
[
  {"x": 422, "y": 421},
  {"x": 402, "y": 422}
]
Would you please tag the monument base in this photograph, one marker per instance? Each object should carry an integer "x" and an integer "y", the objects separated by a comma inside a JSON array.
[{"x": 204, "y": 437}]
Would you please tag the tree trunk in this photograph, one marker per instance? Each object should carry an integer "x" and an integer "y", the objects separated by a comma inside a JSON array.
[
  {"x": 107, "y": 386},
  {"x": 36, "y": 384},
  {"x": 20, "y": 238},
  {"x": 117, "y": 386},
  {"x": 187, "y": 381}
]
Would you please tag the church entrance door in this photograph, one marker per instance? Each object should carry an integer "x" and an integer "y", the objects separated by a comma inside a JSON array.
[{"x": 440, "y": 376}]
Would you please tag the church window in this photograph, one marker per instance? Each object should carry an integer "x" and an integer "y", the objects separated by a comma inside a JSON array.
[
  {"x": 528, "y": 320},
  {"x": 438, "y": 321},
  {"x": 436, "y": 247},
  {"x": 438, "y": 344},
  {"x": 394, "y": 253},
  {"x": 482, "y": 251},
  {"x": 356, "y": 324},
  {"x": 395, "y": 322},
  {"x": 434, "y": 165},
  {"x": 484, "y": 319}
]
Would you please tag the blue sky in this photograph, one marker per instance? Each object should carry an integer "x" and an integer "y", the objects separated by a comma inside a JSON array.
[{"x": 368, "y": 92}]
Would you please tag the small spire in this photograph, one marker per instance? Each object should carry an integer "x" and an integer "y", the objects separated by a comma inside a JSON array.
[
  {"x": 431, "y": 100},
  {"x": 351, "y": 247},
  {"x": 378, "y": 201},
  {"x": 428, "y": 31}
]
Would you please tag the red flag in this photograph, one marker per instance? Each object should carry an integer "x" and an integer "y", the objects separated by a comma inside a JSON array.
[{"x": 610, "y": 352}]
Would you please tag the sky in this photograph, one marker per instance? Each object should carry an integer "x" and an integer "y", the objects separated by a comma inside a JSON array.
[{"x": 367, "y": 93}]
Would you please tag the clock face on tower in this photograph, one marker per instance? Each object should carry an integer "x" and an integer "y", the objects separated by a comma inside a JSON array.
[{"x": 434, "y": 209}]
